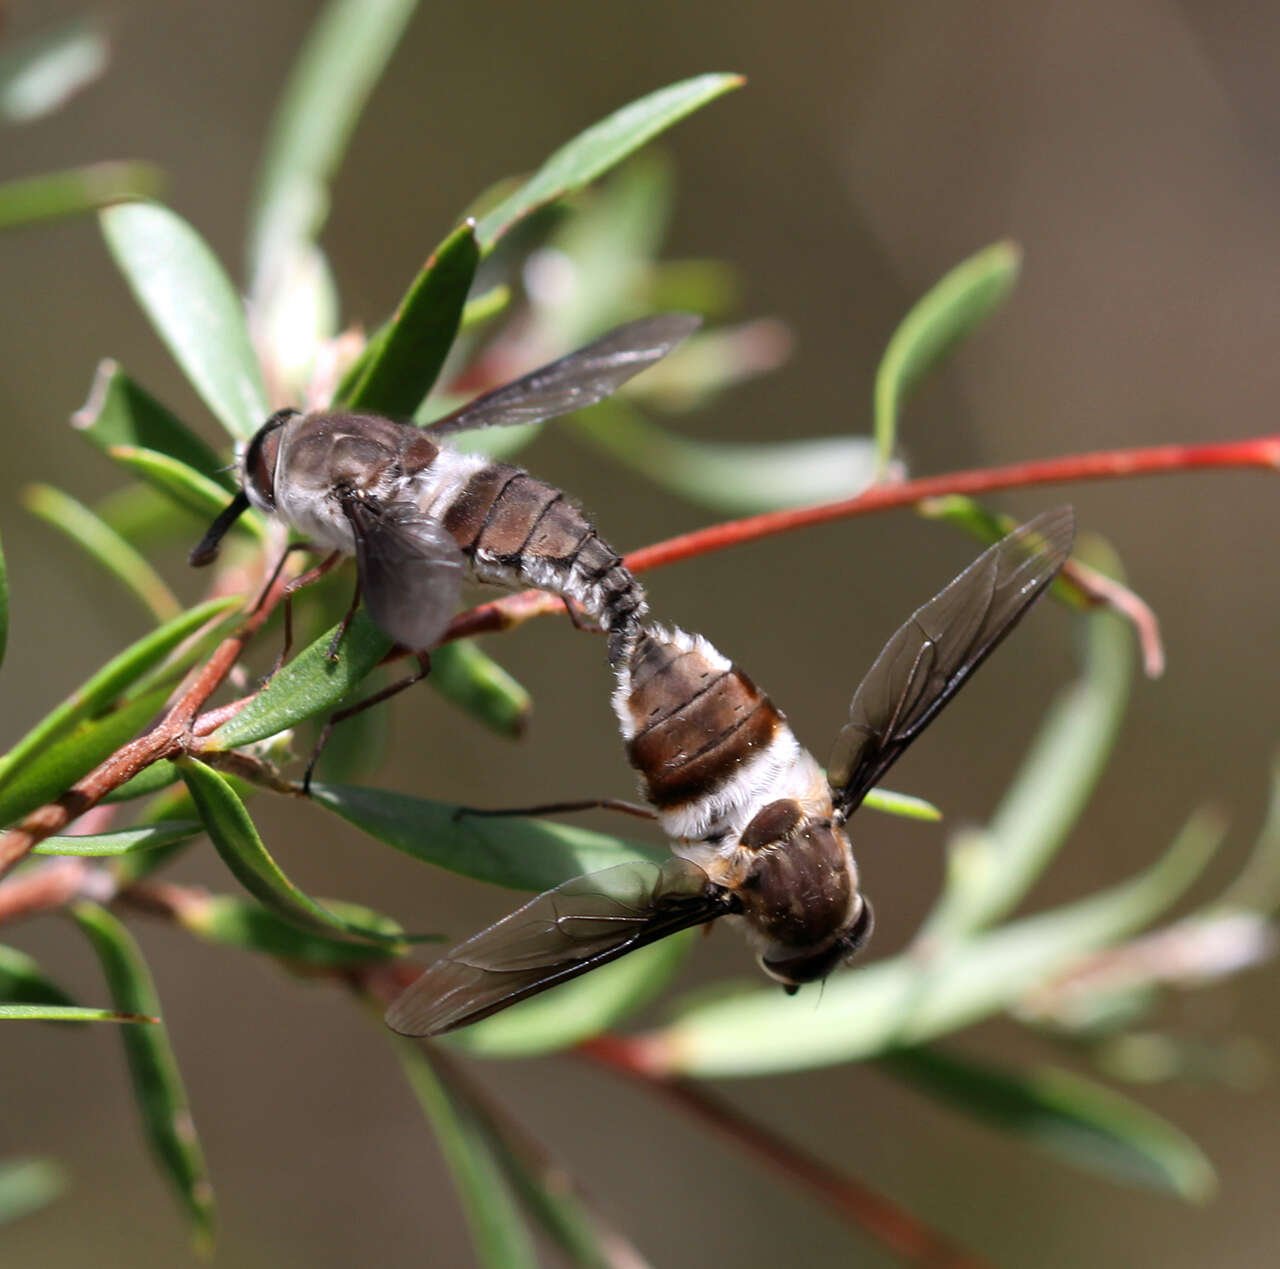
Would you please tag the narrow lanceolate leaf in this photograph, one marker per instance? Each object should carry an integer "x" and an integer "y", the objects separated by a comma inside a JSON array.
[
  {"x": 1066, "y": 1115},
  {"x": 310, "y": 684},
  {"x": 241, "y": 923},
  {"x": 68, "y": 1013},
  {"x": 497, "y": 1229},
  {"x": 909, "y": 999},
  {"x": 938, "y": 321},
  {"x": 194, "y": 308},
  {"x": 103, "y": 544},
  {"x": 903, "y": 804},
  {"x": 578, "y": 1010},
  {"x": 549, "y": 1195},
  {"x": 726, "y": 475},
  {"x": 26, "y": 1185},
  {"x": 408, "y": 355},
  {"x": 522, "y": 854},
  {"x": 52, "y": 769},
  {"x": 108, "y": 683},
  {"x": 593, "y": 152},
  {"x": 31, "y": 200},
  {"x": 39, "y": 74},
  {"x": 233, "y": 834},
  {"x": 4, "y": 606},
  {"x": 190, "y": 490},
  {"x": 120, "y": 412},
  {"x": 989, "y": 871},
  {"x": 153, "y": 1068},
  {"x": 23, "y": 982},
  {"x": 339, "y": 63},
  {"x": 466, "y": 675},
  {"x": 123, "y": 841}
]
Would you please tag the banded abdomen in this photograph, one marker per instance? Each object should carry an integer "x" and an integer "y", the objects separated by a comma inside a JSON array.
[
  {"x": 711, "y": 748},
  {"x": 517, "y": 530}
]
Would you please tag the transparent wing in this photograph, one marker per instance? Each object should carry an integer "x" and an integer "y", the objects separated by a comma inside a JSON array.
[
  {"x": 577, "y": 380},
  {"x": 576, "y": 927},
  {"x": 923, "y": 666},
  {"x": 410, "y": 570}
]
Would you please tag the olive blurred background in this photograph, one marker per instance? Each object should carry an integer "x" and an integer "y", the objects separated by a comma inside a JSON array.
[{"x": 1130, "y": 148}]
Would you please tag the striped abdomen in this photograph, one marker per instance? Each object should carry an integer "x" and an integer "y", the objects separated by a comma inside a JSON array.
[
  {"x": 691, "y": 721},
  {"x": 516, "y": 529}
]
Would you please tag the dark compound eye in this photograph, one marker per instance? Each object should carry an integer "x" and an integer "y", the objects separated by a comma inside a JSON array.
[{"x": 260, "y": 459}]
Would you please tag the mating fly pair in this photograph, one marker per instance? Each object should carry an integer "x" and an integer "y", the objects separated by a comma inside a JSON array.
[
  {"x": 759, "y": 832},
  {"x": 421, "y": 518}
]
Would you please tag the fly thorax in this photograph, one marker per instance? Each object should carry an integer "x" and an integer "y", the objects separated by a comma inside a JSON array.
[{"x": 800, "y": 893}]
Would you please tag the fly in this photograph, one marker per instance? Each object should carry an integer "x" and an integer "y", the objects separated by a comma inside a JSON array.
[
  {"x": 758, "y": 830},
  {"x": 421, "y": 517}
]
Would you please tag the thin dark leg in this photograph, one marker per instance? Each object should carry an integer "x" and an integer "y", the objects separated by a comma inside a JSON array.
[
  {"x": 326, "y": 565},
  {"x": 336, "y": 641},
  {"x": 577, "y": 621},
  {"x": 424, "y": 668},
  {"x": 557, "y": 808}
]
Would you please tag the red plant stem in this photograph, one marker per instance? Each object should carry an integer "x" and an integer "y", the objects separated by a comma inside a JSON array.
[
  {"x": 167, "y": 739},
  {"x": 1114, "y": 464},
  {"x": 1263, "y": 452},
  {"x": 875, "y": 1215}
]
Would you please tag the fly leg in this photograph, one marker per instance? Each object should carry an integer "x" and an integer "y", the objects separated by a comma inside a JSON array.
[
  {"x": 557, "y": 808},
  {"x": 326, "y": 565},
  {"x": 340, "y": 632},
  {"x": 572, "y": 610},
  {"x": 424, "y": 668}
]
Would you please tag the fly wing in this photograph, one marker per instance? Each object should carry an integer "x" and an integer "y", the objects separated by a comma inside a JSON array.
[
  {"x": 577, "y": 380},
  {"x": 410, "y": 570},
  {"x": 576, "y": 927},
  {"x": 923, "y": 666}
]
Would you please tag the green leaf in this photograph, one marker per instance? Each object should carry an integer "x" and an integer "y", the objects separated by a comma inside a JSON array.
[
  {"x": 1067, "y": 1115},
  {"x": 104, "y": 687},
  {"x": 194, "y": 308},
  {"x": 22, "y": 981},
  {"x": 727, "y": 476},
  {"x": 593, "y": 152},
  {"x": 911, "y": 998},
  {"x": 342, "y": 58},
  {"x": 147, "y": 518},
  {"x": 233, "y": 922},
  {"x": 549, "y": 1195},
  {"x": 53, "y": 768},
  {"x": 237, "y": 841},
  {"x": 521, "y": 854},
  {"x": 466, "y": 675},
  {"x": 120, "y": 412},
  {"x": 484, "y": 308},
  {"x": 32, "y": 200},
  {"x": 308, "y": 685},
  {"x": 903, "y": 804},
  {"x": 153, "y": 1068},
  {"x": 497, "y": 1229},
  {"x": 39, "y": 74},
  {"x": 4, "y": 606},
  {"x": 68, "y": 1013},
  {"x": 409, "y": 354},
  {"x": 991, "y": 870},
  {"x": 123, "y": 841},
  {"x": 578, "y": 1010},
  {"x": 939, "y": 320},
  {"x": 1257, "y": 888},
  {"x": 26, "y": 1185},
  {"x": 187, "y": 487},
  {"x": 105, "y": 545}
]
